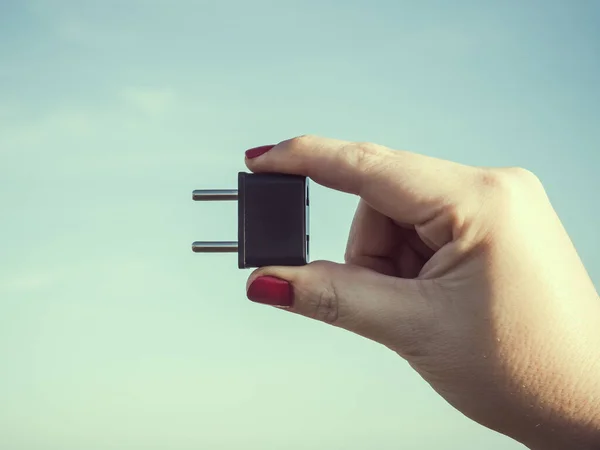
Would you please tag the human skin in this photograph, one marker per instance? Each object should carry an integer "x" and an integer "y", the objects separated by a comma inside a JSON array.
[{"x": 467, "y": 273}]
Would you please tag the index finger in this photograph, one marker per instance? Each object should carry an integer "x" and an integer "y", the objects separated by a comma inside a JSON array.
[{"x": 405, "y": 186}]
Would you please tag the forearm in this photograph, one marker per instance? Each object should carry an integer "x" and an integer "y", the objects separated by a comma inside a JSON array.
[
  {"x": 583, "y": 436},
  {"x": 576, "y": 424}
]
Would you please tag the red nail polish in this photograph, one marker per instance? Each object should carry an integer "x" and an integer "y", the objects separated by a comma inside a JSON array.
[
  {"x": 257, "y": 151},
  {"x": 271, "y": 291}
]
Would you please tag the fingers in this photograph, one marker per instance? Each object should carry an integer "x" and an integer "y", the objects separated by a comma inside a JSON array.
[
  {"x": 379, "y": 307},
  {"x": 373, "y": 237},
  {"x": 404, "y": 186},
  {"x": 377, "y": 243}
]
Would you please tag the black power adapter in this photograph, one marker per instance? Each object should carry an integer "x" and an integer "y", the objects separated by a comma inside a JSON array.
[{"x": 273, "y": 220}]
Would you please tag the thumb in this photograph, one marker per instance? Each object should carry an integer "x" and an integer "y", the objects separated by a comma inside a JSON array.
[{"x": 386, "y": 309}]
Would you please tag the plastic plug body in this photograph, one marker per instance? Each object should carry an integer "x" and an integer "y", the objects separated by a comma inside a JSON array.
[{"x": 273, "y": 220}]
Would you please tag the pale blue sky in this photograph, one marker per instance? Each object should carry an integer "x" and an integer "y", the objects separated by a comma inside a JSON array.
[{"x": 115, "y": 336}]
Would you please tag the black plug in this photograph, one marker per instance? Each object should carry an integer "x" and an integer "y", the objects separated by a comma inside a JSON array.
[{"x": 272, "y": 220}]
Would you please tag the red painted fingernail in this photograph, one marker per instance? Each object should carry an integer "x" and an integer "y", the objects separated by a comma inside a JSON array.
[
  {"x": 271, "y": 291},
  {"x": 257, "y": 151}
]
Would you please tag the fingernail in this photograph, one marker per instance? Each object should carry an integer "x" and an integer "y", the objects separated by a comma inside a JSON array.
[
  {"x": 271, "y": 291},
  {"x": 257, "y": 151}
]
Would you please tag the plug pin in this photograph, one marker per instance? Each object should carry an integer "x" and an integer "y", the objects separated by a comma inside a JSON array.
[
  {"x": 272, "y": 220},
  {"x": 212, "y": 195},
  {"x": 215, "y": 247},
  {"x": 215, "y": 195}
]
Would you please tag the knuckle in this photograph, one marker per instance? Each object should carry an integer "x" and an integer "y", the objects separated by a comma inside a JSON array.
[
  {"x": 496, "y": 193},
  {"x": 493, "y": 180},
  {"x": 366, "y": 157},
  {"x": 301, "y": 141},
  {"x": 327, "y": 307},
  {"x": 503, "y": 188},
  {"x": 507, "y": 193},
  {"x": 508, "y": 180},
  {"x": 526, "y": 177},
  {"x": 323, "y": 304}
]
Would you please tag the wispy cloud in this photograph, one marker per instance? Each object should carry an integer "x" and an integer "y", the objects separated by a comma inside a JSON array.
[
  {"x": 150, "y": 101},
  {"x": 122, "y": 274},
  {"x": 63, "y": 122},
  {"x": 27, "y": 282},
  {"x": 130, "y": 105}
]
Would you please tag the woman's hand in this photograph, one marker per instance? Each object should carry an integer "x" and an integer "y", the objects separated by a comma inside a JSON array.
[{"x": 467, "y": 273}]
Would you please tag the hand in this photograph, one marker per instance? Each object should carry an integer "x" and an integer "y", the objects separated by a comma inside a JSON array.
[{"x": 467, "y": 273}]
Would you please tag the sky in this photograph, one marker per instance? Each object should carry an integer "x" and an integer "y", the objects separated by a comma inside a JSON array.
[{"x": 114, "y": 335}]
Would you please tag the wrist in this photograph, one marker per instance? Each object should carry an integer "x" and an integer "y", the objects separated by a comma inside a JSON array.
[
  {"x": 567, "y": 432},
  {"x": 583, "y": 437},
  {"x": 569, "y": 409}
]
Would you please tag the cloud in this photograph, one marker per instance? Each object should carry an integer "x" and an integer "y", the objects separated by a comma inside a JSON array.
[
  {"x": 150, "y": 101},
  {"x": 28, "y": 282},
  {"x": 64, "y": 122},
  {"x": 131, "y": 105},
  {"x": 120, "y": 275}
]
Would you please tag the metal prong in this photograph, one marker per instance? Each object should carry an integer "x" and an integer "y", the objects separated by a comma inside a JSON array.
[
  {"x": 215, "y": 247},
  {"x": 207, "y": 195}
]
